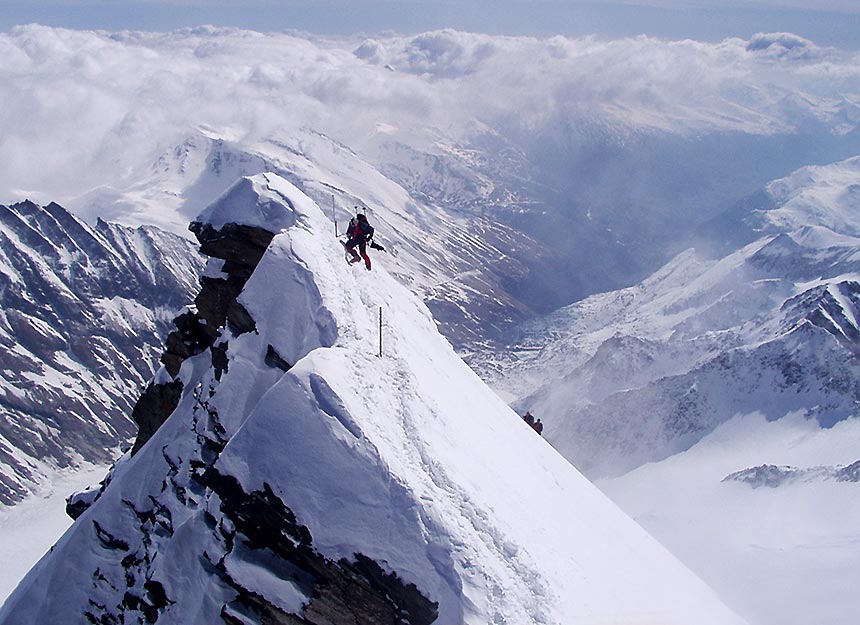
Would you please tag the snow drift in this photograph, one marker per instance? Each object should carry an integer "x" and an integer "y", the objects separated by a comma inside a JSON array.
[{"x": 341, "y": 486}]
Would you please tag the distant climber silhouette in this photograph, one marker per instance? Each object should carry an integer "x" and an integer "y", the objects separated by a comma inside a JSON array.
[{"x": 535, "y": 424}]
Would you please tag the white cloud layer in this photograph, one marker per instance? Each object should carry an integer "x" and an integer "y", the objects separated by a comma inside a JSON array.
[{"x": 81, "y": 108}]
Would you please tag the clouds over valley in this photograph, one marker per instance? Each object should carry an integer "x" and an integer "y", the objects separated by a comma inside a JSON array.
[
  {"x": 80, "y": 106},
  {"x": 612, "y": 151}
]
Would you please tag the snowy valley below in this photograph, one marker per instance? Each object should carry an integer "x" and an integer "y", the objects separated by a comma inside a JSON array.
[
  {"x": 667, "y": 274},
  {"x": 782, "y": 553}
]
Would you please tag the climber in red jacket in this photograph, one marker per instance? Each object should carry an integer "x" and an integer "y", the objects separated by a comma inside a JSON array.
[{"x": 360, "y": 233}]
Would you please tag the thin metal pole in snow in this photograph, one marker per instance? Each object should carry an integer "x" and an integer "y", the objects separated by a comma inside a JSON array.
[
  {"x": 380, "y": 331},
  {"x": 333, "y": 215}
]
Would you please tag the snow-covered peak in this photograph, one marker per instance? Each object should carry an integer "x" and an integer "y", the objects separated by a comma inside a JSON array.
[
  {"x": 825, "y": 196},
  {"x": 261, "y": 201},
  {"x": 379, "y": 461}
]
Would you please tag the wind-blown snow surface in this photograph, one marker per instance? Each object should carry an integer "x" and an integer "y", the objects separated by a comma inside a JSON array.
[{"x": 407, "y": 458}]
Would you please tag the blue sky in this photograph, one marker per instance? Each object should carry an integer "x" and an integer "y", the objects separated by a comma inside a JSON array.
[{"x": 827, "y": 22}]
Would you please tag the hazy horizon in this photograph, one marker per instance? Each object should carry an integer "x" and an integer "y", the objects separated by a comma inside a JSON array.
[{"x": 704, "y": 20}]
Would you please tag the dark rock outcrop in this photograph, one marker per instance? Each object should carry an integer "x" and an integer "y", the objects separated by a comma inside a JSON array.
[
  {"x": 241, "y": 246},
  {"x": 156, "y": 403},
  {"x": 254, "y": 531},
  {"x": 342, "y": 592},
  {"x": 215, "y": 307},
  {"x": 78, "y": 503},
  {"x": 273, "y": 359}
]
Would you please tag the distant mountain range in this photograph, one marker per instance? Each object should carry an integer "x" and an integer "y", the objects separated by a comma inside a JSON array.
[
  {"x": 716, "y": 401},
  {"x": 639, "y": 374},
  {"x": 85, "y": 312},
  {"x": 773, "y": 476}
]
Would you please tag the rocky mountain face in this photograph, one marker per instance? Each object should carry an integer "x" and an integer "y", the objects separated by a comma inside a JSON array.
[
  {"x": 198, "y": 330},
  {"x": 643, "y": 373},
  {"x": 252, "y": 529},
  {"x": 84, "y": 311}
]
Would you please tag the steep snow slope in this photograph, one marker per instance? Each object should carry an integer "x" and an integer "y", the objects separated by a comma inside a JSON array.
[
  {"x": 32, "y": 526},
  {"x": 743, "y": 365},
  {"x": 266, "y": 486},
  {"x": 825, "y": 196},
  {"x": 83, "y": 311}
]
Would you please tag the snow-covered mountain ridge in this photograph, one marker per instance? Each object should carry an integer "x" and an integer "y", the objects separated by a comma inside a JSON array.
[
  {"x": 477, "y": 274},
  {"x": 83, "y": 310},
  {"x": 349, "y": 482}
]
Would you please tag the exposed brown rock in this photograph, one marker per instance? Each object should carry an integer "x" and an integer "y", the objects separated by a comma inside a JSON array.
[
  {"x": 152, "y": 409},
  {"x": 241, "y": 248},
  {"x": 345, "y": 592}
]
